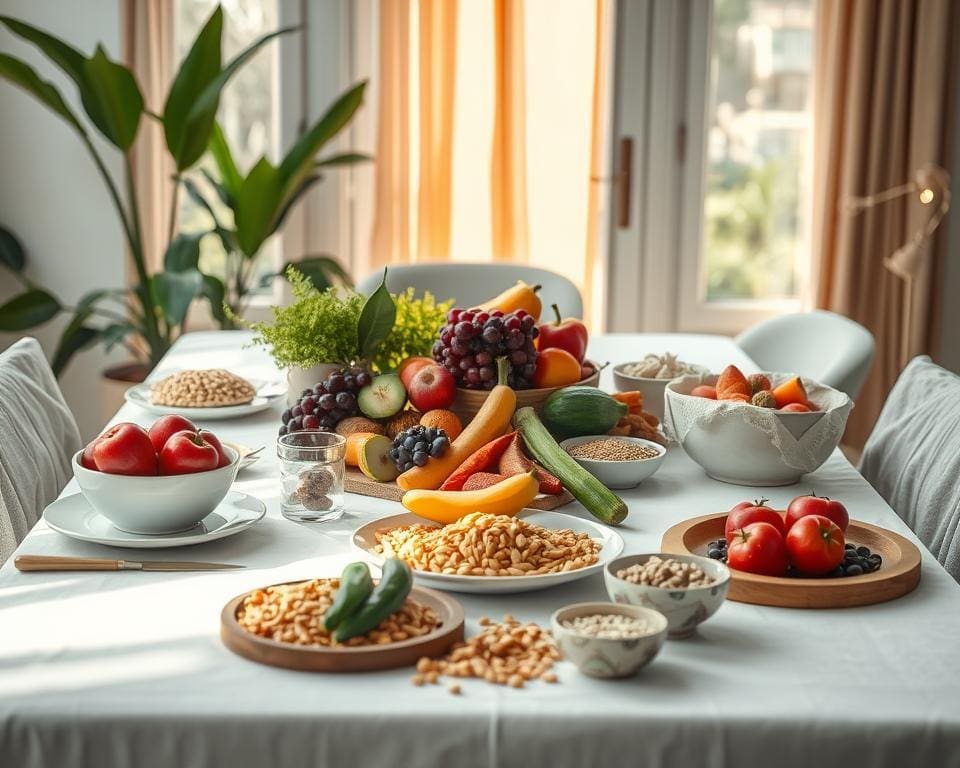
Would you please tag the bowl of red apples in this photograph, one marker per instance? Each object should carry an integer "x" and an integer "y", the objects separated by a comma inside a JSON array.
[{"x": 158, "y": 480}]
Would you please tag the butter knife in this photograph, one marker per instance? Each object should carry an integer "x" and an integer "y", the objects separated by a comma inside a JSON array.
[{"x": 54, "y": 563}]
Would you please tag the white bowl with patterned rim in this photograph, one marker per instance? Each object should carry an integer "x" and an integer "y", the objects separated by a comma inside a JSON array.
[
  {"x": 603, "y": 656},
  {"x": 685, "y": 608}
]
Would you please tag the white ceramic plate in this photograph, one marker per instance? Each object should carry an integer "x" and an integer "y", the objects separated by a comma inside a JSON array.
[
  {"x": 364, "y": 539},
  {"x": 268, "y": 393},
  {"x": 246, "y": 454},
  {"x": 74, "y": 517}
]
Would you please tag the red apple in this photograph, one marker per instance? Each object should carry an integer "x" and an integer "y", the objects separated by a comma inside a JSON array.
[
  {"x": 431, "y": 387},
  {"x": 409, "y": 367},
  {"x": 125, "y": 449},
  {"x": 86, "y": 458},
  {"x": 166, "y": 427},
  {"x": 222, "y": 458},
  {"x": 187, "y": 452}
]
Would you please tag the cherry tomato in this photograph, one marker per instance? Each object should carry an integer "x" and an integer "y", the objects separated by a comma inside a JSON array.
[
  {"x": 747, "y": 512},
  {"x": 187, "y": 452},
  {"x": 815, "y": 545},
  {"x": 125, "y": 449},
  {"x": 817, "y": 505},
  {"x": 758, "y": 548}
]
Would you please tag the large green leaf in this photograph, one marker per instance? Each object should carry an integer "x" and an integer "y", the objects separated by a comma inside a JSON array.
[
  {"x": 29, "y": 309},
  {"x": 343, "y": 158},
  {"x": 12, "y": 255},
  {"x": 223, "y": 157},
  {"x": 74, "y": 339},
  {"x": 291, "y": 200},
  {"x": 112, "y": 99},
  {"x": 298, "y": 163},
  {"x": 199, "y": 68},
  {"x": 173, "y": 292},
  {"x": 227, "y": 237},
  {"x": 376, "y": 321},
  {"x": 65, "y": 56},
  {"x": 19, "y": 73},
  {"x": 183, "y": 253},
  {"x": 223, "y": 193},
  {"x": 214, "y": 291},
  {"x": 257, "y": 205}
]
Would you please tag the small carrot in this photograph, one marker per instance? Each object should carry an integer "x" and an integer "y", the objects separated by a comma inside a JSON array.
[
  {"x": 791, "y": 391},
  {"x": 480, "y": 460}
]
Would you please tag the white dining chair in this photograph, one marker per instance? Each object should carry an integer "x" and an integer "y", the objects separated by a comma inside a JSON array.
[
  {"x": 819, "y": 345},
  {"x": 472, "y": 284},
  {"x": 38, "y": 438},
  {"x": 912, "y": 457}
]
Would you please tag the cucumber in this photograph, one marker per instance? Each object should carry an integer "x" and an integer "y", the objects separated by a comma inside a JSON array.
[
  {"x": 576, "y": 411},
  {"x": 387, "y": 597},
  {"x": 599, "y": 500},
  {"x": 355, "y": 587}
]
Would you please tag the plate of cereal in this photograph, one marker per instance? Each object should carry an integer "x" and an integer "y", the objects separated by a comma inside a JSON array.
[
  {"x": 205, "y": 394},
  {"x": 502, "y": 554}
]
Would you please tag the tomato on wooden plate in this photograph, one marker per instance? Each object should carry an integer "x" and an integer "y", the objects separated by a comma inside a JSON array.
[
  {"x": 817, "y": 505},
  {"x": 759, "y": 548},
  {"x": 815, "y": 545},
  {"x": 747, "y": 512}
]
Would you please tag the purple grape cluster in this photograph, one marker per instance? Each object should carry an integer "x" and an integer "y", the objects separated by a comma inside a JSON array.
[
  {"x": 473, "y": 339},
  {"x": 328, "y": 403}
]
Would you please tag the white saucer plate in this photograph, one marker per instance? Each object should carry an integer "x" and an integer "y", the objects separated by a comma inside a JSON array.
[
  {"x": 268, "y": 393},
  {"x": 74, "y": 517},
  {"x": 364, "y": 539}
]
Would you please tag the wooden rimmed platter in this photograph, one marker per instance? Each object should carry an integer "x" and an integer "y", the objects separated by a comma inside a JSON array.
[
  {"x": 898, "y": 575},
  {"x": 362, "y": 658}
]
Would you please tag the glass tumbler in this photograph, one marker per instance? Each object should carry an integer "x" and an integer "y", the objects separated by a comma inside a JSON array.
[{"x": 311, "y": 475}]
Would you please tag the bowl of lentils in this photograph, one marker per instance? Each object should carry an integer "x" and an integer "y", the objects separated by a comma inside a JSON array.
[
  {"x": 608, "y": 640},
  {"x": 687, "y": 589},
  {"x": 616, "y": 461}
]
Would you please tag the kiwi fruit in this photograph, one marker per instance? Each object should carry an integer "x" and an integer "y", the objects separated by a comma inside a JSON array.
[
  {"x": 382, "y": 397},
  {"x": 352, "y": 424},
  {"x": 402, "y": 422}
]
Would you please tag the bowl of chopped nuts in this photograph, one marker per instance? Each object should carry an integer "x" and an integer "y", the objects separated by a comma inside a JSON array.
[
  {"x": 687, "y": 589},
  {"x": 617, "y": 461},
  {"x": 607, "y": 639},
  {"x": 651, "y": 376}
]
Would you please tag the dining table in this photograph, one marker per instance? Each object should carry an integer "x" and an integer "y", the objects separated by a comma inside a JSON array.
[{"x": 104, "y": 670}]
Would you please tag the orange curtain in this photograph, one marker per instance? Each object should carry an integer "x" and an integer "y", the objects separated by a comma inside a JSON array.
[{"x": 882, "y": 101}]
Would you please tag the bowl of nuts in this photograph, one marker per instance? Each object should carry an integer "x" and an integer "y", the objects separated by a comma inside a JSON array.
[
  {"x": 687, "y": 589},
  {"x": 608, "y": 639},
  {"x": 617, "y": 461},
  {"x": 651, "y": 376}
]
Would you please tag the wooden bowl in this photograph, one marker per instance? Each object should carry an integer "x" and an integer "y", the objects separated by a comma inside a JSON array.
[
  {"x": 898, "y": 575},
  {"x": 469, "y": 401},
  {"x": 347, "y": 658}
]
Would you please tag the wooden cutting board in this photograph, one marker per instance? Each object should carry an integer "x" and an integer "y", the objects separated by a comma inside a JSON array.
[
  {"x": 898, "y": 575},
  {"x": 355, "y": 481}
]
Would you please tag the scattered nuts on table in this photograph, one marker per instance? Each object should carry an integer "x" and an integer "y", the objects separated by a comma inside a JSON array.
[
  {"x": 610, "y": 449},
  {"x": 608, "y": 626},
  {"x": 667, "y": 573}
]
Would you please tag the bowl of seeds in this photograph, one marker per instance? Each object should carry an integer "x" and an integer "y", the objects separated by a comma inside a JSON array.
[
  {"x": 617, "y": 461},
  {"x": 687, "y": 589},
  {"x": 609, "y": 639}
]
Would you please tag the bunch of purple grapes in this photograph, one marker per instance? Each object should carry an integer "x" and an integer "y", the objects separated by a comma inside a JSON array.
[
  {"x": 328, "y": 403},
  {"x": 473, "y": 339}
]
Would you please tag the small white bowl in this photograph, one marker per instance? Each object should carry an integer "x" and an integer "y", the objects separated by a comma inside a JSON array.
[
  {"x": 684, "y": 609},
  {"x": 156, "y": 505},
  {"x": 604, "y": 657},
  {"x": 652, "y": 389},
  {"x": 618, "y": 474}
]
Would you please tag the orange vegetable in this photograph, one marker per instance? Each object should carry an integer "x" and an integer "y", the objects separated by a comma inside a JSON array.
[
  {"x": 519, "y": 296},
  {"x": 483, "y": 459},
  {"x": 480, "y": 480},
  {"x": 791, "y": 391},
  {"x": 737, "y": 397},
  {"x": 632, "y": 399},
  {"x": 795, "y": 408},
  {"x": 354, "y": 444},
  {"x": 556, "y": 368},
  {"x": 732, "y": 381},
  {"x": 704, "y": 390}
]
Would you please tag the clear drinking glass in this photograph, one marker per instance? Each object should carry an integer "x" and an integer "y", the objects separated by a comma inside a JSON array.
[{"x": 311, "y": 475}]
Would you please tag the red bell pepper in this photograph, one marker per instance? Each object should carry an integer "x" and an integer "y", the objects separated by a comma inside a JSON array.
[{"x": 568, "y": 334}]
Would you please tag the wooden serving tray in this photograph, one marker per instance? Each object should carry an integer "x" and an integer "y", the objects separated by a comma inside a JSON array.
[
  {"x": 347, "y": 659},
  {"x": 898, "y": 575},
  {"x": 355, "y": 481}
]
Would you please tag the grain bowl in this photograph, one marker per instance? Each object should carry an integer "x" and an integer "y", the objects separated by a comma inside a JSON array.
[{"x": 616, "y": 469}]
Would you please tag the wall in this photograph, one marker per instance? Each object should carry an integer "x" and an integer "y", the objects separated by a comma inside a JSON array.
[
  {"x": 51, "y": 195},
  {"x": 949, "y": 351}
]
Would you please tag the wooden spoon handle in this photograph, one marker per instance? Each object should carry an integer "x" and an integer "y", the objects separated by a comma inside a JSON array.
[{"x": 53, "y": 563}]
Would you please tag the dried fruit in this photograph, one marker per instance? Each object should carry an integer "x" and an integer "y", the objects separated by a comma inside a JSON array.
[
  {"x": 764, "y": 399},
  {"x": 402, "y": 422},
  {"x": 759, "y": 382},
  {"x": 733, "y": 382},
  {"x": 353, "y": 424}
]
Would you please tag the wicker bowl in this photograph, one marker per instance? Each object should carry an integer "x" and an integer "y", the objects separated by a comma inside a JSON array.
[{"x": 469, "y": 401}]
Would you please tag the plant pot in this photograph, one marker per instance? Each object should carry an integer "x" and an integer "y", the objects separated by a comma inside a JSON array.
[
  {"x": 114, "y": 382},
  {"x": 299, "y": 379}
]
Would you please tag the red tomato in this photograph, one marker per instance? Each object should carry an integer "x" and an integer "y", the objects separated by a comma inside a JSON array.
[
  {"x": 758, "y": 548},
  {"x": 187, "y": 452},
  {"x": 166, "y": 427},
  {"x": 125, "y": 449},
  {"x": 222, "y": 458},
  {"x": 817, "y": 505},
  {"x": 815, "y": 545},
  {"x": 747, "y": 512}
]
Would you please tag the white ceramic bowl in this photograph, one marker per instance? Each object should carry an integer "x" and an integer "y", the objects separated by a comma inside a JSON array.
[
  {"x": 156, "y": 505},
  {"x": 652, "y": 389},
  {"x": 686, "y": 608},
  {"x": 618, "y": 474},
  {"x": 605, "y": 657},
  {"x": 735, "y": 449}
]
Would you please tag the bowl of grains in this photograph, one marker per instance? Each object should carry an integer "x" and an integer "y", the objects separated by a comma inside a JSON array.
[
  {"x": 617, "y": 461},
  {"x": 608, "y": 639},
  {"x": 687, "y": 589}
]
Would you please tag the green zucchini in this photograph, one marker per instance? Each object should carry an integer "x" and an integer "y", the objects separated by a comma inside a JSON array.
[
  {"x": 387, "y": 597},
  {"x": 599, "y": 500},
  {"x": 355, "y": 587},
  {"x": 576, "y": 411}
]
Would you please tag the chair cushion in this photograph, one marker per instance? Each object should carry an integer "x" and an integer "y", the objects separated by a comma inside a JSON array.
[
  {"x": 913, "y": 457},
  {"x": 39, "y": 437}
]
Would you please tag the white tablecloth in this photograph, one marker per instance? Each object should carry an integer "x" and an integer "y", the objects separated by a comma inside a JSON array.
[{"x": 127, "y": 669}]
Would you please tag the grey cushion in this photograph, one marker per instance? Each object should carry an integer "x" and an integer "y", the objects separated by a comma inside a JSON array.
[
  {"x": 38, "y": 437},
  {"x": 913, "y": 457}
]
